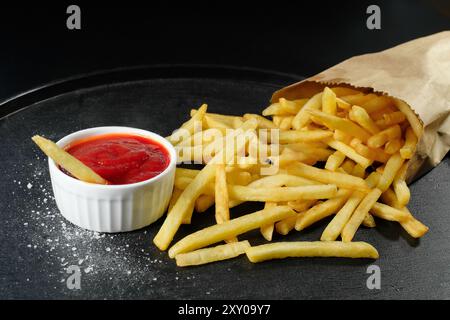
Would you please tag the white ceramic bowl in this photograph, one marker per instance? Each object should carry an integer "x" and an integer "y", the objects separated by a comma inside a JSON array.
[{"x": 113, "y": 208}]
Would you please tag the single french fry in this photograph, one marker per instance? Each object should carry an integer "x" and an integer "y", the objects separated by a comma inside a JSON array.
[
  {"x": 246, "y": 193},
  {"x": 414, "y": 227},
  {"x": 389, "y": 119},
  {"x": 361, "y": 117},
  {"x": 334, "y": 161},
  {"x": 204, "y": 202},
  {"x": 329, "y": 101},
  {"x": 188, "y": 126},
  {"x": 65, "y": 160},
  {"x": 378, "y": 103},
  {"x": 392, "y": 146},
  {"x": 267, "y": 230},
  {"x": 282, "y": 179},
  {"x": 379, "y": 139},
  {"x": 208, "y": 255},
  {"x": 400, "y": 187},
  {"x": 293, "y": 136},
  {"x": 221, "y": 197},
  {"x": 281, "y": 250},
  {"x": 409, "y": 146},
  {"x": 322, "y": 210},
  {"x": 302, "y": 118},
  {"x": 350, "y": 153},
  {"x": 391, "y": 168},
  {"x": 345, "y": 125},
  {"x": 175, "y": 195},
  {"x": 386, "y": 212},
  {"x": 341, "y": 180},
  {"x": 358, "y": 216},
  {"x": 188, "y": 216},
  {"x": 230, "y": 229},
  {"x": 410, "y": 116}
]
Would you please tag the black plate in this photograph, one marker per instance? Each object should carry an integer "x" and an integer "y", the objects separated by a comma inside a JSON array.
[{"x": 37, "y": 244}]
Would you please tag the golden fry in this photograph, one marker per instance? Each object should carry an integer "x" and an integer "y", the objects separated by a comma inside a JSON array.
[
  {"x": 65, "y": 160},
  {"x": 329, "y": 101},
  {"x": 267, "y": 230},
  {"x": 208, "y": 255},
  {"x": 341, "y": 180},
  {"x": 409, "y": 146},
  {"x": 281, "y": 250},
  {"x": 334, "y": 161},
  {"x": 391, "y": 168},
  {"x": 246, "y": 193},
  {"x": 230, "y": 229}
]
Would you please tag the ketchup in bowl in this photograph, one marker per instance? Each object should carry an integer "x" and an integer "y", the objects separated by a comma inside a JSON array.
[{"x": 121, "y": 158}]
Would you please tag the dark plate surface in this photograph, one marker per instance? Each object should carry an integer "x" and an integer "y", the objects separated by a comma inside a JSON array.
[{"x": 37, "y": 245}]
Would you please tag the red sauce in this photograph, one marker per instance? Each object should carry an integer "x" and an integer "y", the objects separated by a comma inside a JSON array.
[{"x": 121, "y": 158}]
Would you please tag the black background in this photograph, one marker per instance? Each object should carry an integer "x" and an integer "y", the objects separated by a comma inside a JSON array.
[{"x": 305, "y": 38}]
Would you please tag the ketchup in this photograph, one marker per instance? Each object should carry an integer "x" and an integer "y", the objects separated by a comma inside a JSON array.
[{"x": 121, "y": 158}]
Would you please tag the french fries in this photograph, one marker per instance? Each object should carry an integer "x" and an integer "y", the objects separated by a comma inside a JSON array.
[
  {"x": 230, "y": 229},
  {"x": 208, "y": 255},
  {"x": 71, "y": 164},
  {"x": 341, "y": 180},
  {"x": 364, "y": 140},
  {"x": 283, "y": 250}
]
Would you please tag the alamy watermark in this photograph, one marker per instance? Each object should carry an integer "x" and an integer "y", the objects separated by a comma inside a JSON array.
[
  {"x": 73, "y": 21},
  {"x": 374, "y": 280},
  {"x": 73, "y": 282},
  {"x": 373, "y": 22}
]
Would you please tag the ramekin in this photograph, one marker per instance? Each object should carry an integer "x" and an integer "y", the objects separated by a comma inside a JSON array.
[{"x": 113, "y": 208}]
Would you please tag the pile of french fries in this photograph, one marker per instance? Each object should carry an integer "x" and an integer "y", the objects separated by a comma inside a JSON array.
[{"x": 342, "y": 152}]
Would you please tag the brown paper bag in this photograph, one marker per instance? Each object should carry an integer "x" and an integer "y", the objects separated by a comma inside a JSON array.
[{"x": 417, "y": 72}]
